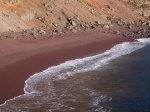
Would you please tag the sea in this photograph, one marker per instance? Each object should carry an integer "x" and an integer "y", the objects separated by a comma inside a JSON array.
[{"x": 117, "y": 80}]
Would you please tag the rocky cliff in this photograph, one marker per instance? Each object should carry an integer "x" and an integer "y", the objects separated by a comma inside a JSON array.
[
  {"x": 24, "y": 14},
  {"x": 142, "y": 6},
  {"x": 9, "y": 1}
]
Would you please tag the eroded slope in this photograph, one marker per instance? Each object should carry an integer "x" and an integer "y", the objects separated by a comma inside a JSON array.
[{"x": 23, "y": 14}]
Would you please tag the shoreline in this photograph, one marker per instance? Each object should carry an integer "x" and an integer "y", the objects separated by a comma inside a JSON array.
[{"x": 22, "y": 63}]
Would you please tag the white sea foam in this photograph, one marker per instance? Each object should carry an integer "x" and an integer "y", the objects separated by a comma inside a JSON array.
[
  {"x": 72, "y": 67},
  {"x": 41, "y": 83}
]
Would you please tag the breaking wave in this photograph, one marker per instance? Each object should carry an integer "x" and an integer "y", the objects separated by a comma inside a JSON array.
[{"x": 40, "y": 87}]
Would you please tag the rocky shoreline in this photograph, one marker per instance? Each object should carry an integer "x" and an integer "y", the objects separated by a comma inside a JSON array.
[{"x": 136, "y": 29}]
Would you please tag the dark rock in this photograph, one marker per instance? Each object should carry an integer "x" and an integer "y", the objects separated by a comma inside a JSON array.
[
  {"x": 33, "y": 33},
  {"x": 97, "y": 23},
  {"x": 60, "y": 18},
  {"x": 107, "y": 6}
]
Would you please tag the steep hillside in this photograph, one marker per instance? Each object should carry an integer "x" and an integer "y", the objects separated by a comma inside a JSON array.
[
  {"x": 10, "y": 21},
  {"x": 23, "y": 14},
  {"x": 142, "y": 6}
]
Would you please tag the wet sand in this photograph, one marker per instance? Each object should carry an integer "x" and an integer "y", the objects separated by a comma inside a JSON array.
[{"x": 21, "y": 58}]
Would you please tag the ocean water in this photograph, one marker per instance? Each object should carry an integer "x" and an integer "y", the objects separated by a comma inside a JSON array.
[{"x": 117, "y": 80}]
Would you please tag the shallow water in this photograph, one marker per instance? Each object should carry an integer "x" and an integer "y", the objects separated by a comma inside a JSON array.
[{"x": 115, "y": 81}]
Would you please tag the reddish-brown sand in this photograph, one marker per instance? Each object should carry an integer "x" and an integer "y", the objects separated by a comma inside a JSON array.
[{"x": 21, "y": 58}]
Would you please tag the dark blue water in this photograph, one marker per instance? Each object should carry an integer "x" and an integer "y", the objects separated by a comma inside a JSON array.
[{"x": 128, "y": 82}]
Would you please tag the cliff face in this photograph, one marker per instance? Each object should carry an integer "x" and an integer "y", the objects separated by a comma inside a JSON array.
[
  {"x": 59, "y": 13},
  {"x": 142, "y": 6},
  {"x": 10, "y": 21},
  {"x": 9, "y": 1}
]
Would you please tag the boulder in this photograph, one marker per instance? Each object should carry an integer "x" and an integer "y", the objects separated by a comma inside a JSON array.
[{"x": 117, "y": 32}]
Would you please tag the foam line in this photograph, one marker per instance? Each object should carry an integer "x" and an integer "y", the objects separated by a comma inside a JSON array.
[{"x": 70, "y": 68}]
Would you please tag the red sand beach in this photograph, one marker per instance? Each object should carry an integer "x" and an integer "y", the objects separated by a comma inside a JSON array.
[{"x": 21, "y": 58}]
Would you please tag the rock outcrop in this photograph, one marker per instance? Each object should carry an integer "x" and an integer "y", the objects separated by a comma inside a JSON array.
[
  {"x": 10, "y": 21},
  {"x": 142, "y": 7},
  {"x": 10, "y": 1}
]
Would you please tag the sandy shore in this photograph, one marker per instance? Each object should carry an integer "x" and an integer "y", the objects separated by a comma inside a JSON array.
[{"x": 21, "y": 58}]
